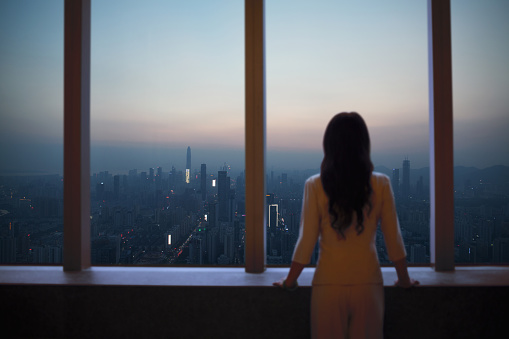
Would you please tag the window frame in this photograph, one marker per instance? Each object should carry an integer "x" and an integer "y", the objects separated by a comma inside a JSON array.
[
  {"x": 77, "y": 19},
  {"x": 77, "y": 246}
]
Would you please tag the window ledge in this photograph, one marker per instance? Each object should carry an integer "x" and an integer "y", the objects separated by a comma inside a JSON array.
[{"x": 236, "y": 276}]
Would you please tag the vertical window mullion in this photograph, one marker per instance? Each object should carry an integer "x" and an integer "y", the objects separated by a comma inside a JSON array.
[
  {"x": 76, "y": 254},
  {"x": 255, "y": 135},
  {"x": 441, "y": 136}
]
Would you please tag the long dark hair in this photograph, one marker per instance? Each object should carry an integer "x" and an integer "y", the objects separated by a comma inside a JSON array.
[{"x": 346, "y": 170}]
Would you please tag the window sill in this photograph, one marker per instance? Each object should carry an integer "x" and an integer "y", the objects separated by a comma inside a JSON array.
[
  {"x": 217, "y": 277},
  {"x": 157, "y": 302}
]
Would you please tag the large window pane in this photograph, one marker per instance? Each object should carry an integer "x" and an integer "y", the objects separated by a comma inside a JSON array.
[
  {"x": 31, "y": 135},
  {"x": 324, "y": 57},
  {"x": 480, "y": 50},
  {"x": 167, "y": 130}
]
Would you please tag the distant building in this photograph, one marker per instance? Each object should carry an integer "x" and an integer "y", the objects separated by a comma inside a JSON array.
[
  {"x": 188, "y": 165},
  {"x": 223, "y": 195},
  {"x": 203, "y": 182},
  {"x": 105, "y": 250},
  {"x": 116, "y": 187},
  {"x": 159, "y": 177},
  {"x": 273, "y": 216},
  {"x": 395, "y": 182},
  {"x": 8, "y": 249},
  {"x": 419, "y": 187},
  {"x": 418, "y": 254},
  {"x": 405, "y": 184}
]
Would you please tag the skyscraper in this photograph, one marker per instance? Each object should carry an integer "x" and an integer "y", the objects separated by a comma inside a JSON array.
[
  {"x": 273, "y": 216},
  {"x": 116, "y": 187},
  {"x": 223, "y": 194},
  {"x": 203, "y": 185},
  {"x": 188, "y": 165},
  {"x": 395, "y": 182},
  {"x": 405, "y": 184}
]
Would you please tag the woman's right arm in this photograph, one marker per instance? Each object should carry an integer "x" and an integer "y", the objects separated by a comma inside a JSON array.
[{"x": 404, "y": 279}]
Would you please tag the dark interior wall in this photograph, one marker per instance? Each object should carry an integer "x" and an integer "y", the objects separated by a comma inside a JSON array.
[{"x": 54, "y": 311}]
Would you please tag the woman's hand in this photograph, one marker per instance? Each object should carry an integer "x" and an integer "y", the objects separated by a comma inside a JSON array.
[
  {"x": 404, "y": 279},
  {"x": 290, "y": 282},
  {"x": 279, "y": 283},
  {"x": 407, "y": 283},
  {"x": 286, "y": 284}
]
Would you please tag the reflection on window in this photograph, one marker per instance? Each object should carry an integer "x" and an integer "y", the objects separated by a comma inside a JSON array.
[
  {"x": 326, "y": 57},
  {"x": 31, "y": 136},
  {"x": 480, "y": 51},
  {"x": 167, "y": 133}
]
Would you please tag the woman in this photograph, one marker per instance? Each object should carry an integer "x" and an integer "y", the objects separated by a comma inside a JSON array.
[{"x": 342, "y": 207}]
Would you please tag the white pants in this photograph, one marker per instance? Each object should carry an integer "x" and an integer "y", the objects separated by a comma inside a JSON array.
[{"x": 347, "y": 311}]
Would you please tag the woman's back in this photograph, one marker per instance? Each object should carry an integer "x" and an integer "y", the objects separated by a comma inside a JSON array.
[{"x": 351, "y": 259}]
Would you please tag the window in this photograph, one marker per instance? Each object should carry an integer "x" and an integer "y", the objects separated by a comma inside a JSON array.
[
  {"x": 77, "y": 149},
  {"x": 166, "y": 122},
  {"x": 481, "y": 83},
  {"x": 326, "y": 57},
  {"x": 31, "y": 97}
]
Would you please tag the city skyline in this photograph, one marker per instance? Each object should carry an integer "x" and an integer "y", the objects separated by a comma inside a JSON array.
[
  {"x": 167, "y": 75},
  {"x": 152, "y": 216},
  {"x": 121, "y": 160}
]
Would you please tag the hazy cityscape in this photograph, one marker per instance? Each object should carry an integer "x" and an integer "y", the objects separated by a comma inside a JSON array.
[
  {"x": 196, "y": 215},
  {"x": 156, "y": 66}
]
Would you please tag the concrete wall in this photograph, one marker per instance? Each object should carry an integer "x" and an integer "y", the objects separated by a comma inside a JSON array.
[{"x": 57, "y": 311}]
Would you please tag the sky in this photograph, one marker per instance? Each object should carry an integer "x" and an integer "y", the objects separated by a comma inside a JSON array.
[{"x": 166, "y": 75}]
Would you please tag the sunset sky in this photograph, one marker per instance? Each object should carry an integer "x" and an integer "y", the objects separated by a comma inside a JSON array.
[{"x": 170, "y": 74}]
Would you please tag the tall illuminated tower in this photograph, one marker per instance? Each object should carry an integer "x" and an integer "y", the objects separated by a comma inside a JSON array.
[
  {"x": 188, "y": 165},
  {"x": 273, "y": 216}
]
